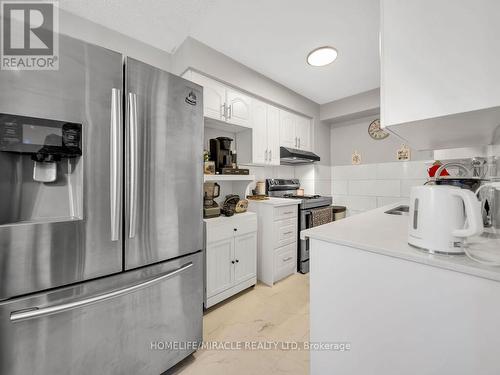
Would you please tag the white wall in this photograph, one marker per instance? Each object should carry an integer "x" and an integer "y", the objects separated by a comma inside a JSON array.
[
  {"x": 346, "y": 137},
  {"x": 380, "y": 179},
  {"x": 91, "y": 32},
  {"x": 360, "y": 105}
]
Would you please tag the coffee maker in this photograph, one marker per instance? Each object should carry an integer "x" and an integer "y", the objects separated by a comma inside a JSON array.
[
  {"x": 225, "y": 160},
  {"x": 211, "y": 209},
  {"x": 221, "y": 154}
]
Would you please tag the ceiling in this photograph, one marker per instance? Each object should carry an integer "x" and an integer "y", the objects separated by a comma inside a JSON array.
[{"x": 272, "y": 37}]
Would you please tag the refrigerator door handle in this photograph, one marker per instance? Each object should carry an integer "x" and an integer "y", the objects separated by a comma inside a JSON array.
[
  {"x": 116, "y": 163},
  {"x": 132, "y": 107},
  {"x": 36, "y": 312}
]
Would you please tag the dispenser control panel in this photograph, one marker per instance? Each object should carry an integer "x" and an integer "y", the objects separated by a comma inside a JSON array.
[{"x": 31, "y": 135}]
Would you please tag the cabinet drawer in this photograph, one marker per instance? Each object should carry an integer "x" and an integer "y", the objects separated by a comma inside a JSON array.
[
  {"x": 285, "y": 232},
  {"x": 285, "y": 212},
  {"x": 217, "y": 231},
  {"x": 285, "y": 261}
]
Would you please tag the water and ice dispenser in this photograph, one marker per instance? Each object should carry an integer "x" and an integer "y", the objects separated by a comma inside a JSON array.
[{"x": 40, "y": 171}]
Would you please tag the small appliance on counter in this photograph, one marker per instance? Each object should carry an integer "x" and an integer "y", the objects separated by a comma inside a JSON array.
[
  {"x": 260, "y": 188},
  {"x": 438, "y": 222},
  {"x": 233, "y": 204},
  {"x": 225, "y": 160},
  {"x": 211, "y": 190},
  {"x": 465, "y": 178}
]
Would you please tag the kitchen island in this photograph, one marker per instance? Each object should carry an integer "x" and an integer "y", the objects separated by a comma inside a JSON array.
[{"x": 398, "y": 310}]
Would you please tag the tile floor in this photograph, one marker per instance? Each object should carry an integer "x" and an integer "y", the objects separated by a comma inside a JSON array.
[{"x": 262, "y": 314}]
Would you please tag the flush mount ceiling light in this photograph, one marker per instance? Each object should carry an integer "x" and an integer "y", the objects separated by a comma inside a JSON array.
[{"x": 322, "y": 56}]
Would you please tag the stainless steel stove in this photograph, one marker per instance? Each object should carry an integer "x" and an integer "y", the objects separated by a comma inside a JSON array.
[{"x": 287, "y": 188}]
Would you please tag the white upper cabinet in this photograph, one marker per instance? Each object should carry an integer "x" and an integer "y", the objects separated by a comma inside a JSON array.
[
  {"x": 303, "y": 132},
  {"x": 259, "y": 140},
  {"x": 295, "y": 131},
  {"x": 261, "y": 127},
  {"x": 273, "y": 134},
  {"x": 221, "y": 102},
  {"x": 238, "y": 108},
  {"x": 440, "y": 81},
  {"x": 264, "y": 136},
  {"x": 214, "y": 95},
  {"x": 287, "y": 129}
]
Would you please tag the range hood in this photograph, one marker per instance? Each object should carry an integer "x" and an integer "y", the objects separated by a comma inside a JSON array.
[{"x": 294, "y": 156}]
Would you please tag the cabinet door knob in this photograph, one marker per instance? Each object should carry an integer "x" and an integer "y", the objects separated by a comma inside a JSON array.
[
  {"x": 237, "y": 260},
  {"x": 235, "y": 229},
  {"x": 232, "y": 261}
]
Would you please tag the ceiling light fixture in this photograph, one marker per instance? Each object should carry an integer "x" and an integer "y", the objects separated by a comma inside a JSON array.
[{"x": 322, "y": 56}]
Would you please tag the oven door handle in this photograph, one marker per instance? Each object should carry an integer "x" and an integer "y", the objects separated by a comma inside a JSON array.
[{"x": 307, "y": 216}]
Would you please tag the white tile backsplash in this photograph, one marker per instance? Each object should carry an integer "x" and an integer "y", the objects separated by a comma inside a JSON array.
[
  {"x": 364, "y": 187},
  {"x": 375, "y": 188},
  {"x": 340, "y": 187},
  {"x": 355, "y": 203},
  {"x": 305, "y": 172},
  {"x": 355, "y": 172},
  {"x": 322, "y": 172},
  {"x": 284, "y": 171}
]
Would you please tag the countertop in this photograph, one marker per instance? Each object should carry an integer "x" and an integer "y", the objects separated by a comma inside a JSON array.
[
  {"x": 378, "y": 232},
  {"x": 277, "y": 201},
  {"x": 227, "y": 219}
]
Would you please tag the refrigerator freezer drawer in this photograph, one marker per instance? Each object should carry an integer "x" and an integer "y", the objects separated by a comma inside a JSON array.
[{"x": 120, "y": 324}]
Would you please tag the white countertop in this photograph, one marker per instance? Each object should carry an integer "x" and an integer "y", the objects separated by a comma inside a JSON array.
[
  {"x": 226, "y": 219},
  {"x": 381, "y": 233},
  {"x": 277, "y": 201}
]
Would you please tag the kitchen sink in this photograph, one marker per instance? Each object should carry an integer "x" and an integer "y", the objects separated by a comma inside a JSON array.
[{"x": 399, "y": 210}]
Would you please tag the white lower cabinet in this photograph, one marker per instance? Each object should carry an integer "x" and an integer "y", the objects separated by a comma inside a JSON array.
[
  {"x": 231, "y": 256},
  {"x": 277, "y": 241},
  {"x": 285, "y": 261}
]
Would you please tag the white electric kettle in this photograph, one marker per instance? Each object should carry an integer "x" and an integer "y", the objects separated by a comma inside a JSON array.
[{"x": 441, "y": 217}]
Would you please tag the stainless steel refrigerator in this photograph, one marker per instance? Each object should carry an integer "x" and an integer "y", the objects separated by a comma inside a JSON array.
[{"x": 100, "y": 216}]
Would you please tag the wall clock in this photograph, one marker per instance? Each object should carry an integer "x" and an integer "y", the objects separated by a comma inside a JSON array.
[{"x": 375, "y": 131}]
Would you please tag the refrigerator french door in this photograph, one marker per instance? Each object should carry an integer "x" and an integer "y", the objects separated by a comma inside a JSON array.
[
  {"x": 163, "y": 139},
  {"x": 65, "y": 231},
  {"x": 101, "y": 266}
]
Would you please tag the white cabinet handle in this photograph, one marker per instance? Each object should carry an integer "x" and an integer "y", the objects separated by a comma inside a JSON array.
[
  {"x": 299, "y": 142},
  {"x": 296, "y": 142},
  {"x": 270, "y": 155},
  {"x": 266, "y": 156},
  {"x": 286, "y": 233},
  {"x": 287, "y": 259},
  {"x": 288, "y": 213},
  {"x": 224, "y": 110},
  {"x": 229, "y": 111}
]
